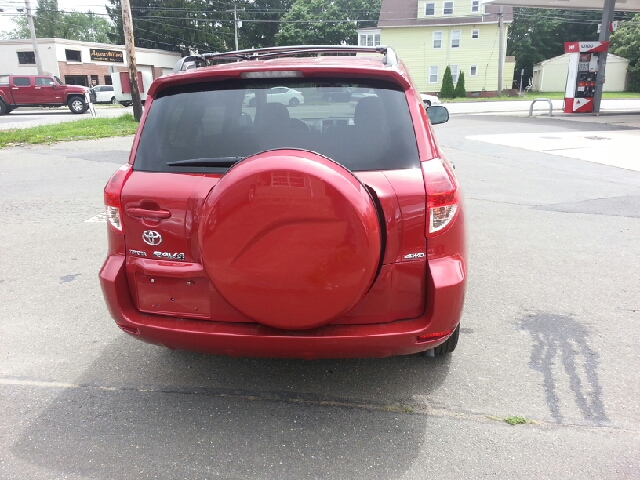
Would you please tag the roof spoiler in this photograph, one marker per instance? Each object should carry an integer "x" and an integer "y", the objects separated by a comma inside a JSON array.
[{"x": 191, "y": 62}]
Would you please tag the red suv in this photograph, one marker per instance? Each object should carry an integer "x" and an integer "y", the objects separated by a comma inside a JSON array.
[{"x": 328, "y": 229}]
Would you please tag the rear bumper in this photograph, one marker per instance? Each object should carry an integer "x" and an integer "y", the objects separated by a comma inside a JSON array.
[{"x": 402, "y": 337}]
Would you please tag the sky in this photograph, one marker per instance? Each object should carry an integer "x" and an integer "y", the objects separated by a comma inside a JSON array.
[{"x": 9, "y": 7}]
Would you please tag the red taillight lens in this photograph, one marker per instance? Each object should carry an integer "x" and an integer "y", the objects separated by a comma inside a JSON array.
[
  {"x": 112, "y": 197},
  {"x": 442, "y": 201}
]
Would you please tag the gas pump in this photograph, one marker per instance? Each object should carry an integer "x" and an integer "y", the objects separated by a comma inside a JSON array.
[{"x": 581, "y": 80}]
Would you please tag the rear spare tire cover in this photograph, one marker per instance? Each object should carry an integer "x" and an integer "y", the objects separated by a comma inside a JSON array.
[{"x": 290, "y": 238}]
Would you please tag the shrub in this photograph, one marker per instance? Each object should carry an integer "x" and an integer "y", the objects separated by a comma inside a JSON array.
[
  {"x": 460, "y": 92},
  {"x": 447, "y": 90}
]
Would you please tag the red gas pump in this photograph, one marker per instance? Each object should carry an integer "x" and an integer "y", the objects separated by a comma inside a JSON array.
[{"x": 581, "y": 80}]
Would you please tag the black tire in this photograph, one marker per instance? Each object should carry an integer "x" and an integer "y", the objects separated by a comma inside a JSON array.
[
  {"x": 77, "y": 105},
  {"x": 294, "y": 102},
  {"x": 427, "y": 103},
  {"x": 3, "y": 108},
  {"x": 114, "y": 101},
  {"x": 448, "y": 346}
]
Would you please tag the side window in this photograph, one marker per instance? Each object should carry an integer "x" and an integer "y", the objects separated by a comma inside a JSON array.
[
  {"x": 455, "y": 39},
  {"x": 73, "y": 55},
  {"x": 430, "y": 9},
  {"x": 437, "y": 39},
  {"x": 44, "y": 81},
  {"x": 22, "y": 81},
  {"x": 447, "y": 8},
  {"x": 454, "y": 73},
  {"x": 26, "y": 58},
  {"x": 473, "y": 71},
  {"x": 433, "y": 74},
  {"x": 475, "y": 6},
  {"x": 475, "y": 33}
]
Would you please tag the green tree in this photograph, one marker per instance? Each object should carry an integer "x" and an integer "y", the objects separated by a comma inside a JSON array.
[
  {"x": 326, "y": 22},
  {"x": 261, "y": 22},
  {"x": 447, "y": 90},
  {"x": 460, "y": 91},
  {"x": 49, "y": 22},
  {"x": 184, "y": 26},
  {"x": 625, "y": 42}
]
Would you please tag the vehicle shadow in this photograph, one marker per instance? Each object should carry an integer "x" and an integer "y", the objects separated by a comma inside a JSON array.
[{"x": 141, "y": 411}]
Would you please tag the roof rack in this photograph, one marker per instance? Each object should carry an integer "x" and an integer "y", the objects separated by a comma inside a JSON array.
[{"x": 196, "y": 61}]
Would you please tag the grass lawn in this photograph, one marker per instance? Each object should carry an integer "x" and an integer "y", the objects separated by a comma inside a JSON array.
[
  {"x": 550, "y": 95},
  {"x": 78, "y": 130}
]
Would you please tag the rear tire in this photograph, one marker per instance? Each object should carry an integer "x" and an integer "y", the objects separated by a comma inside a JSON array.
[
  {"x": 3, "y": 108},
  {"x": 427, "y": 103},
  {"x": 447, "y": 347},
  {"x": 294, "y": 102},
  {"x": 114, "y": 101},
  {"x": 77, "y": 105}
]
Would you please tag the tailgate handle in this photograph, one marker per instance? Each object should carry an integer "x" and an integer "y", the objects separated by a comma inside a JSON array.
[{"x": 144, "y": 213}]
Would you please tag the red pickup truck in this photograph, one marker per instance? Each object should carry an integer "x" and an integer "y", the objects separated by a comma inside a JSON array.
[{"x": 40, "y": 91}]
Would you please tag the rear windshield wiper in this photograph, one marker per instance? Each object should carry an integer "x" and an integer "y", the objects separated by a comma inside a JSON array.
[{"x": 206, "y": 162}]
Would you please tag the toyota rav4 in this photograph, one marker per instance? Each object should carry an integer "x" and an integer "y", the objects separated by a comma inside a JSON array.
[{"x": 330, "y": 229}]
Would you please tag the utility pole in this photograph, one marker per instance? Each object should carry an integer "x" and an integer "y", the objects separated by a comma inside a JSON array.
[
  {"x": 236, "y": 23},
  {"x": 607, "y": 17},
  {"x": 34, "y": 41},
  {"x": 127, "y": 25},
  {"x": 500, "y": 50}
]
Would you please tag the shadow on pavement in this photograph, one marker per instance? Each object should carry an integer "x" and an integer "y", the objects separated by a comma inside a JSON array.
[
  {"x": 562, "y": 337},
  {"x": 142, "y": 411}
]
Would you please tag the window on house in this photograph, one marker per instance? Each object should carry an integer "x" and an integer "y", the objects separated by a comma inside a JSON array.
[
  {"x": 369, "y": 40},
  {"x": 473, "y": 71},
  {"x": 475, "y": 33},
  {"x": 475, "y": 6},
  {"x": 447, "y": 8},
  {"x": 430, "y": 9},
  {"x": 94, "y": 80},
  {"x": 107, "y": 80},
  {"x": 437, "y": 39},
  {"x": 73, "y": 55},
  {"x": 26, "y": 58},
  {"x": 433, "y": 74},
  {"x": 21, "y": 81},
  {"x": 454, "y": 72},
  {"x": 455, "y": 38}
]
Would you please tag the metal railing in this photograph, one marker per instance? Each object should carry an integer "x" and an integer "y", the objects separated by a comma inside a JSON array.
[{"x": 541, "y": 100}]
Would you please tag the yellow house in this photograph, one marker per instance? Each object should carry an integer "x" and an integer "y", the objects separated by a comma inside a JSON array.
[{"x": 430, "y": 35}]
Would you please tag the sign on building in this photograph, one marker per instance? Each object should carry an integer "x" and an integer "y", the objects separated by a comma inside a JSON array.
[{"x": 106, "y": 55}]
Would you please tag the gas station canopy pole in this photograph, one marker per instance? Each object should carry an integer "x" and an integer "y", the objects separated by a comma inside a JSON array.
[{"x": 605, "y": 33}]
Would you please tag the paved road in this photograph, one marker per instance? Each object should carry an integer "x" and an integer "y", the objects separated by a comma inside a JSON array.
[{"x": 550, "y": 332}]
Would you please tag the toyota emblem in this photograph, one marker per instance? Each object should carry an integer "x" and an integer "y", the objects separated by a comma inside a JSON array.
[{"x": 151, "y": 237}]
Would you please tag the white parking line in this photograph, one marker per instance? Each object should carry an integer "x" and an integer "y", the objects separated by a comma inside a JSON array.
[{"x": 617, "y": 148}]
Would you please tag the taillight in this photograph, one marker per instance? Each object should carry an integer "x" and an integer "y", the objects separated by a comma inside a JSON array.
[
  {"x": 442, "y": 199},
  {"x": 112, "y": 201}
]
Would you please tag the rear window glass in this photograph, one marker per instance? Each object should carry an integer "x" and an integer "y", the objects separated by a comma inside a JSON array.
[{"x": 364, "y": 125}]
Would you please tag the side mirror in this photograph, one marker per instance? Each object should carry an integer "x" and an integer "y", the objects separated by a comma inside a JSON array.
[
  {"x": 438, "y": 114},
  {"x": 55, "y": 86}
]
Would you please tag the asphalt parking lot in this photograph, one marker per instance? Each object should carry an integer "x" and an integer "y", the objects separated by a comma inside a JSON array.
[{"x": 550, "y": 333}]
